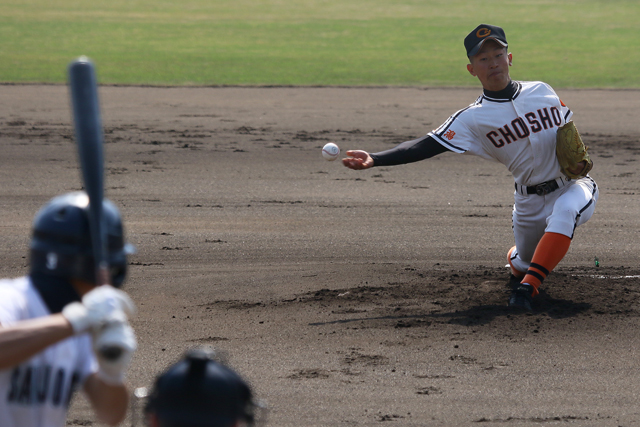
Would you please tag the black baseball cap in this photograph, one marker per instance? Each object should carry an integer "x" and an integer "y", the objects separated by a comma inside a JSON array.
[{"x": 483, "y": 32}]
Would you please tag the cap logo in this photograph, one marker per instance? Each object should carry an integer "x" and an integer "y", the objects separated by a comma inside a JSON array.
[{"x": 483, "y": 32}]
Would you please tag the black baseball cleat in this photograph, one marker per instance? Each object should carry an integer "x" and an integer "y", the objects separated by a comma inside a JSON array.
[
  {"x": 514, "y": 282},
  {"x": 521, "y": 297}
]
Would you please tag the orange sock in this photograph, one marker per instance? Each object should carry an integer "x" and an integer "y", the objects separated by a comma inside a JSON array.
[{"x": 549, "y": 252}]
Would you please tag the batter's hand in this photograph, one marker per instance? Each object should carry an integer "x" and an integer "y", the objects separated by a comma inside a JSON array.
[
  {"x": 357, "y": 160},
  {"x": 114, "y": 343},
  {"x": 96, "y": 308}
]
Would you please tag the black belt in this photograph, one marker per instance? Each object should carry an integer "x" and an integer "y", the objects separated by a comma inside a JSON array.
[{"x": 542, "y": 189}]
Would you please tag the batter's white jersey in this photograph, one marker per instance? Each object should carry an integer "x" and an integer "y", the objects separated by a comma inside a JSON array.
[
  {"x": 37, "y": 392},
  {"x": 519, "y": 133}
]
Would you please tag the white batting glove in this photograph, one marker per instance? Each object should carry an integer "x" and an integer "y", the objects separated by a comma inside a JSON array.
[
  {"x": 114, "y": 343},
  {"x": 96, "y": 307}
]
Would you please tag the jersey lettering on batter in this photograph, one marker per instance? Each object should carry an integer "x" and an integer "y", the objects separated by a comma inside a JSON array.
[
  {"x": 519, "y": 129},
  {"x": 34, "y": 385}
]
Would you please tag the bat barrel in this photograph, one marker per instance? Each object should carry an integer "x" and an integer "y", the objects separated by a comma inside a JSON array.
[{"x": 89, "y": 137}]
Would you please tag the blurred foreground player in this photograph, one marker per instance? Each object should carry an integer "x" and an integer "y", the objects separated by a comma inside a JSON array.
[
  {"x": 53, "y": 321},
  {"x": 198, "y": 391}
]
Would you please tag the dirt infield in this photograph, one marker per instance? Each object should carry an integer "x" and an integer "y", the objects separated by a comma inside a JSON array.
[{"x": 347, "y": 298}]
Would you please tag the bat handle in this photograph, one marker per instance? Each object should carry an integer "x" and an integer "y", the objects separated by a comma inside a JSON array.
[
  {"x": 109, "y": 352},
  {"x": 102, "y": 275}
]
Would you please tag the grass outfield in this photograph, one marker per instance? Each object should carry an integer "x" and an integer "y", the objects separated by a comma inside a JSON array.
[{"x": 580, "y": 43}]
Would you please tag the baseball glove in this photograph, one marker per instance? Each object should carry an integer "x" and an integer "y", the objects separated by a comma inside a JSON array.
[{"x": 570, "y": 151}]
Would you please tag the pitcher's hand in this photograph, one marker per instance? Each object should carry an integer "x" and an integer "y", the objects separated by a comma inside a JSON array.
[{"x": 357, "y": 160}]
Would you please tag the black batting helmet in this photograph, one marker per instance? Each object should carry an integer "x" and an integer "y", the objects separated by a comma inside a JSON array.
[
  {"x": 61, "y": 240},
  {"x": 198, "y": 391}
]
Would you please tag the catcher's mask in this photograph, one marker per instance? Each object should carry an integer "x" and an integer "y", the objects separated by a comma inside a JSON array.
[
  {"x": 61, "y": 240},
  {"x": 198, "y": 391}
]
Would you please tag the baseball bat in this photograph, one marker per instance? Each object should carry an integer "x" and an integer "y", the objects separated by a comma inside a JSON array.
[{"x": 89, "y": 138}]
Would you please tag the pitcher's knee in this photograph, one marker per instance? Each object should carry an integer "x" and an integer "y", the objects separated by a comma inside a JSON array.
[{"x": 562, "y": 221}]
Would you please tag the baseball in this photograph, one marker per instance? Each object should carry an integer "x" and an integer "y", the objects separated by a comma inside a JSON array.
[{"x": 330, "y": 151}]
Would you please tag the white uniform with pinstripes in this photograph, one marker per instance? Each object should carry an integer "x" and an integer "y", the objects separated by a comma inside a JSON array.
[{"x": 521, "y": 134}]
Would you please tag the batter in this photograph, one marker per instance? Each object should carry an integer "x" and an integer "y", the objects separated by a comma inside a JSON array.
[
  {"x": 514, "y": 123},
  {"x": 51, "y": 319}
]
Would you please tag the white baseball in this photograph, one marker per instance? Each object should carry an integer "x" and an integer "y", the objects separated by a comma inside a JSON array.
[{"x": 330, "y": 151}]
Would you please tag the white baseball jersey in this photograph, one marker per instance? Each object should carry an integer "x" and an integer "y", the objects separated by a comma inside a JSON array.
[
  {"x": 37, "y": 392},
  {"x": 519, "y": 133}
]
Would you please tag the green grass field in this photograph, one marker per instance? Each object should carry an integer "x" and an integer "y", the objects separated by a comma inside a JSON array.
[{"x": 580, "y": 43}]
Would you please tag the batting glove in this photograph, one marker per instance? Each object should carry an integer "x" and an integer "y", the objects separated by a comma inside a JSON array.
[
  {"x": 114, "y": 343},
  {"x": 96, "y": 308}
]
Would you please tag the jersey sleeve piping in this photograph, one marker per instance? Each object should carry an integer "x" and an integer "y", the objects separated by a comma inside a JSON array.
[
  {"x": 568, "y": 115},
  {"x": 447, "y": 144},
  {"x": 437, "y": 134}
]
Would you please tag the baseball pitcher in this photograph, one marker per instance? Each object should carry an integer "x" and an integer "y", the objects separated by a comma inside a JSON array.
[{"x": 526, "y": 127}]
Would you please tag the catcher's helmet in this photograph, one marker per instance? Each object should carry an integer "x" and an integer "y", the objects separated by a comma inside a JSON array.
[
  {"x": 198, "y": 391},
  {"x": 61, "y": 240}
]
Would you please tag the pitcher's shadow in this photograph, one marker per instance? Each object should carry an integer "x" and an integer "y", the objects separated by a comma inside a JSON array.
[{"x": 555, "y": 308}]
